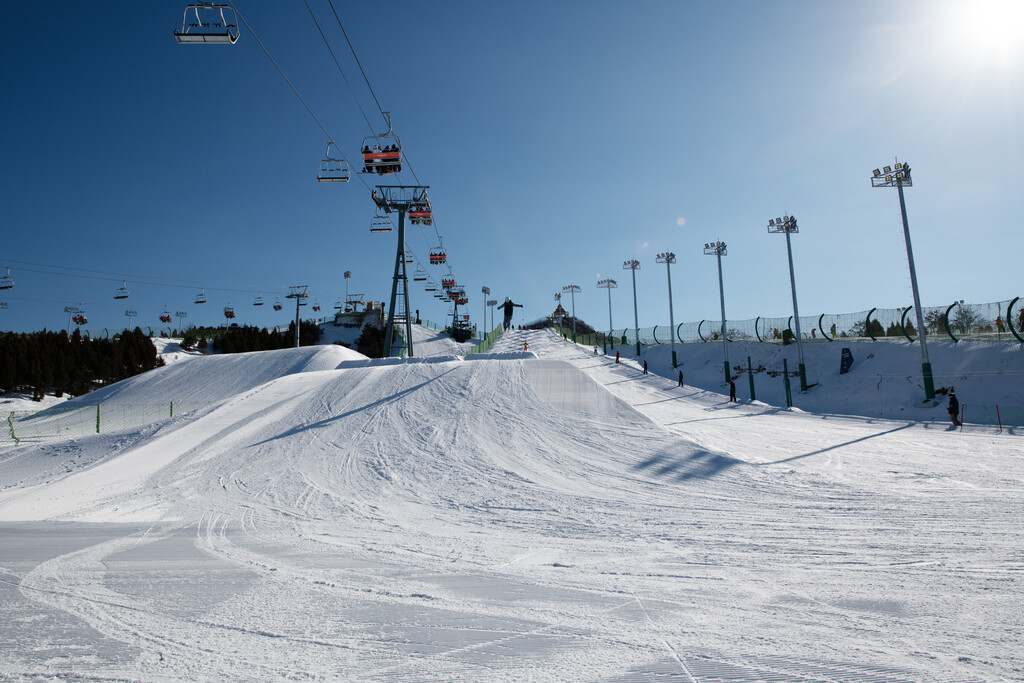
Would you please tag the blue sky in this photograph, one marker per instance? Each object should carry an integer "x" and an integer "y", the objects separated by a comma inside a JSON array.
[{"x": 558, "y": 140}]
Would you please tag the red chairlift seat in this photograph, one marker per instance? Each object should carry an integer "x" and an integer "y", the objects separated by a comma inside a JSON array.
[{"x": 382, "y": 154}]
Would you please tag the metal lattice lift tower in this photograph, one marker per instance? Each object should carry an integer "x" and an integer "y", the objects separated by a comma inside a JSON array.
[
  {"x": 298, "y": 292},
  {"x": 401, "y": 199}
]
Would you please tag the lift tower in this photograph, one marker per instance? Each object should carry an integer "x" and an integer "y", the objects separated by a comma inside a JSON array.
[{"x": 400, "y": 198}]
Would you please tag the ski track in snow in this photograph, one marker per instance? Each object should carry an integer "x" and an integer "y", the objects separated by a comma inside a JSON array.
[{"x": 561, "y": 518}]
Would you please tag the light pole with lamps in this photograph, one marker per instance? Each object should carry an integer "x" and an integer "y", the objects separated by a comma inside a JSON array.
[
  {"x": 787, "y": 225},
  {"x": 485, "y": 291},
  {"x": 899, "y": 177},
  {"x": 572, "y": 289},
  {"x": 492, "y": 303},
  {"x": 668, "y": 258},
  {"x": 558, "y": 305},
  {"x": 130, "y": 313},
  {"x": 718, "y": 250},
  {"x": 634, "y": 265},
  {"x": 608, "y": 284}
]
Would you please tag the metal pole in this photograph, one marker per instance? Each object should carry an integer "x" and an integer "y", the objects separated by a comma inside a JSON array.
[
  {"x": 926, "y": 366},
  {"x": 298, "y": 302},
  {"x": 572, "y": 296},
  {"x": 389, "y": 333},
  {"x": 725, "y": 338},
  {"x": 796, "y": 317},
  {"x": 636, "y": 316},
  {"x": 671, "y": 315},
  {"x": 609, "y": 322},
  {"x": 405, "y": 286}
]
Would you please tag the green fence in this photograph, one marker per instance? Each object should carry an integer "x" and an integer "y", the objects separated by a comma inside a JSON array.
[
  {"x": 1000, "y": 320},
  {"x": 487, "y": 343},
  {"x": 38, "y": 426}
]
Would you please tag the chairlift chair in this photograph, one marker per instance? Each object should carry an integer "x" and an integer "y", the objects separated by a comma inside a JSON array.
[
  {"x": 165, "y": 317},
  {"x": 421, "y": 215},
  {"x": 380, "y": 223},
  {"x": 258, "y": 301},
  {"x": 430, "y": 286},
  {"x": 316, "y": 305},
  {"x": 80, "y": 319},
  {"x": 6, "y": 282},
  {"x": 338, "y": 305},
  {"x": 409, "y": 257},
  {"x": 122, "y": 291},
  {"x": 420, "y": 275},
  {"x": 334, "y": 168},
  {"x": 438, "y": 257},
  {"x": 382, "y": 154},
  {"x": 3, "y": 305},
  {"x": 201, "y": 297},
  {"x": 195, "y": 30},
  {"x": 229, "y": 312},
  {"x": 277, "y": 304}
]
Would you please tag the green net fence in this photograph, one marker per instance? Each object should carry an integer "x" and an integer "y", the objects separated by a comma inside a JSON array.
[
  {"x": 487, "y": 343},
  {"x": 28, "y": 426}
]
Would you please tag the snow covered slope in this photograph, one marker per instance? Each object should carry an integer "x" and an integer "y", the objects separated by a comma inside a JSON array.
[
  {"x": 557, "y": 517},
  {"x": 214, "y": 378}
]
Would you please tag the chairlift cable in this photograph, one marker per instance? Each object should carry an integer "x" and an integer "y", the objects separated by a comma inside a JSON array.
[
  {"x": 338, "y": 64},
  {"x": 292, "y": 86}
]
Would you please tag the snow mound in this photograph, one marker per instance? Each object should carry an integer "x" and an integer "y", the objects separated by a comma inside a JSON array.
[{"x": 209, "y": 379}]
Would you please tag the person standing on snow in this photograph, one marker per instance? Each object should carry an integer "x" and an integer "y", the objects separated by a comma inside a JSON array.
[
  {"x": 507, "y": 309},
  {"x": 954, "y": 410}
]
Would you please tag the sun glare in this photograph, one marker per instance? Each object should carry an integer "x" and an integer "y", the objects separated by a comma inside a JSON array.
[{"x": 988, "y": 30}]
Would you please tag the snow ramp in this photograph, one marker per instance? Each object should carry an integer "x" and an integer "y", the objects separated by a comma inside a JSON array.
[
  {"x": 388, "y": 437},
  {"x": 207, "y": 379}
]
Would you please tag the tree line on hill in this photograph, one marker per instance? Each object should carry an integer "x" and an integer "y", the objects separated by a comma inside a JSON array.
[
  {"x": 243, "y": 339},
  {"x": 53, "y": 361}
]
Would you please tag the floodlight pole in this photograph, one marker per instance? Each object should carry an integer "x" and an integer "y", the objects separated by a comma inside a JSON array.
[
  {"x": 608, "y": 284},
  {"x": 668, "y": 258},
  {"x": 130, "y": 314},
  {"x": 634, "y": 266},
  {"x": 298, "y": 292},
  {"x": 348, "y": 276},
  {"x": 180, "y": 314},
  {"x": 899, "y": 178},
  {"x": 788, "y": 226},
  {"x": 572, "y": 289},
  {"x": 718, "y": 250},
  {"x": 485, "y": 291}
]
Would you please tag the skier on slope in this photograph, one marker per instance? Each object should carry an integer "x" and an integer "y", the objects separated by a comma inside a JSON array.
[{"x": 507, "y": 307}]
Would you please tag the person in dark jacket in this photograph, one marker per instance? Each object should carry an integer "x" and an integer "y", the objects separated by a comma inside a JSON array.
[
  {"x": 954, "y": 410},
  {"x": 507, "y": 308},
  {"x": 645, "y": 366},
  {"x": 732, "y": 390}
]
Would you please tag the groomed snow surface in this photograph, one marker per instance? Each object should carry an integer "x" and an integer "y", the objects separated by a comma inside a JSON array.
[{"x": 546, "y": 516}]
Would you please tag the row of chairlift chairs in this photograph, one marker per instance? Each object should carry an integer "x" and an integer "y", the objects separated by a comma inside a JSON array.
[
  {"x": 211, "y": 23},
  {"x": 207, "y": 23}
]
